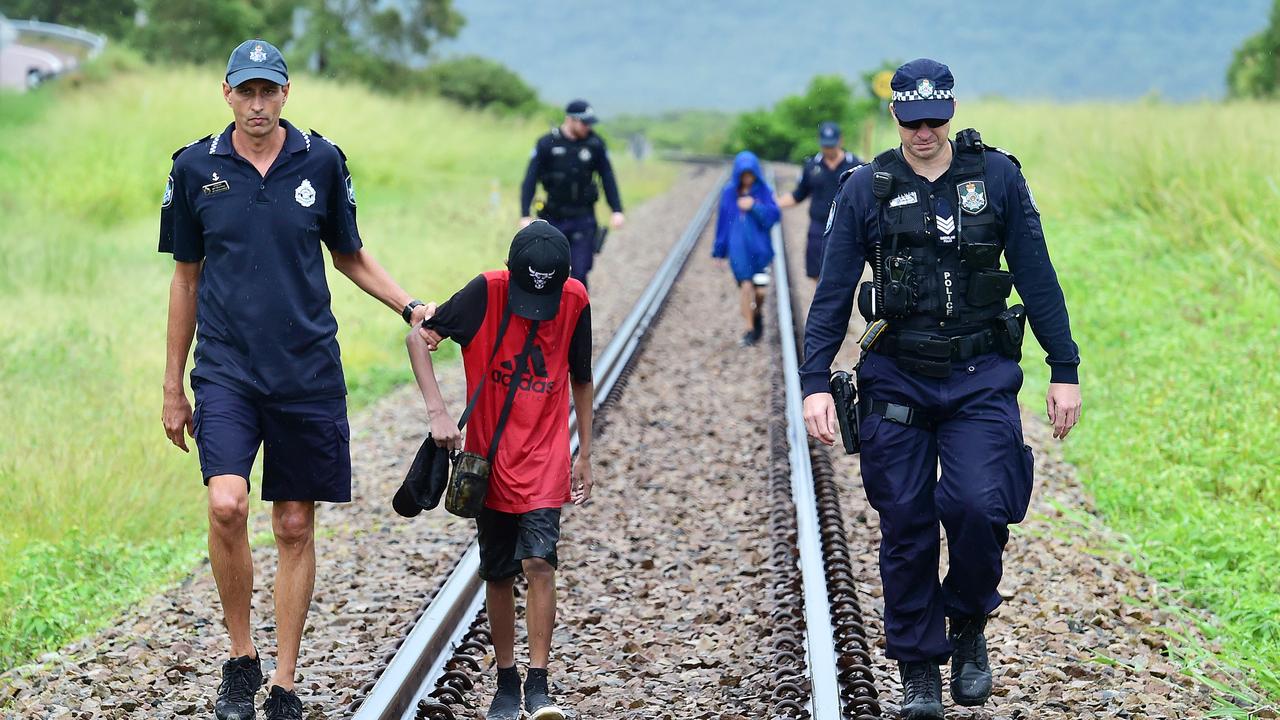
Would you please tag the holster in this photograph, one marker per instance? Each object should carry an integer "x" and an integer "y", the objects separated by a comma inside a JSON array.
[
  {"x": 848, "y": 412},
  {"x": 468, "y": 484},
  {"x": 1009, "y": 330}
]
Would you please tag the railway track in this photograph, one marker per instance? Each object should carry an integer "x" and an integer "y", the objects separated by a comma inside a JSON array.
[{"x": 820, "y": 662}]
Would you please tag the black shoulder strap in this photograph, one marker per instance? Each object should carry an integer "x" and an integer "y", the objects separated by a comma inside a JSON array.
[
  {"x": 497, "y": 344},
  {"x": 521, "y": 361}
]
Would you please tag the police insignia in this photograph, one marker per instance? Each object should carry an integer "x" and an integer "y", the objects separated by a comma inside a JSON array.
[
  {"x": 1032, "y": 198},
  {"x": 351, "y": 192},
  {"x": 258, "y": 54},
  {"x": 584, "y": 155},
  {"x": 924, "y": 86},
  {"x": 831, "y": 218},
  {"x": 973, "y": 196},
  {"x": 305, "y": 194},
  {"x": 167, "y": 200}
]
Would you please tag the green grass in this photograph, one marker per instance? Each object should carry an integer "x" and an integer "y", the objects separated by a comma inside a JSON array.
[
  {"x": 96, "y": 507},
  {"x": 1161, "y": 221}
]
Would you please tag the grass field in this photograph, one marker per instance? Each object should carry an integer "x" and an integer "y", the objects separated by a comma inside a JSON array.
[
  {"x": 96, "y": 507},
  {"x": 1162, "y": 223}
]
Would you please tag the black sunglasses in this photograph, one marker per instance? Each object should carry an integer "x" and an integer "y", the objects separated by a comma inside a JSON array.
[{"x": 934, "y": 123}]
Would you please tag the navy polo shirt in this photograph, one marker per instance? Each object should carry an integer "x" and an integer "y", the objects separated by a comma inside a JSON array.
[
  {"x": 821, "y": 183},
  {"x": 855, "y": 230},
  {"x": 263, "y": 322}
]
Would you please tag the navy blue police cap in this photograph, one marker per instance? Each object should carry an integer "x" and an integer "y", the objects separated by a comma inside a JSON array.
[
  {"x": 538, "y": 262},
  {"x": 923, "y": 90},
  {"x": 582, "y": 110},
  {"x": 828, "y": 134},
  {"x": 256, "y": 60}
]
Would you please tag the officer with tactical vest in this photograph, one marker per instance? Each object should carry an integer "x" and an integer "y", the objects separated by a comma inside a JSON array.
[
  {"x": 938, "y": 380},
  {"x": 566, "y": 161}
]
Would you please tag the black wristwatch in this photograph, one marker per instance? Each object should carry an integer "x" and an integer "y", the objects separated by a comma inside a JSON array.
[{"x": 407, "y": 312}]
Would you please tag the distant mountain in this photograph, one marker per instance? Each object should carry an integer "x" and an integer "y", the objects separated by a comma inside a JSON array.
[{"x": 642, "y": 56}]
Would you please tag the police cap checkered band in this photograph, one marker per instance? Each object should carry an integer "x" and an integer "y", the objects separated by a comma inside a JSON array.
[{"x": 911, "y": 95}]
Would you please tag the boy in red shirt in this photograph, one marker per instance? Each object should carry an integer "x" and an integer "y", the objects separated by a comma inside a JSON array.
[{"x": 492, "y": 319}]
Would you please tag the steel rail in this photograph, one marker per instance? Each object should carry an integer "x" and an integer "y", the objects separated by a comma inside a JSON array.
[
  {"x": 420, "y": 659},
  {"x": 824, "y": 699}
]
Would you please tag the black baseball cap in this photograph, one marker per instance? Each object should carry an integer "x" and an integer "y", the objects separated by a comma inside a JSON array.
[
  {"x": 582, "y": 110},
  {"x": 828, "y": 134},
  {"x": 256, "y": 60},
  {"x": 923, "y": 90},
  {"x": 539, "y": 265}
]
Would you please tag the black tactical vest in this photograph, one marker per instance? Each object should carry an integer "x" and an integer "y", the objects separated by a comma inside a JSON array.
[
  {"x": 568, "y": 175},
  {"x": 922, "y": 283}
]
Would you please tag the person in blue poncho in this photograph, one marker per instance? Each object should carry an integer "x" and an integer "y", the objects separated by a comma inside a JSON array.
[{"x": 747, "y": 212}]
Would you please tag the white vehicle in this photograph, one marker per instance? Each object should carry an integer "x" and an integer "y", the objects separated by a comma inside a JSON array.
[{"x": 24, "y": 65}]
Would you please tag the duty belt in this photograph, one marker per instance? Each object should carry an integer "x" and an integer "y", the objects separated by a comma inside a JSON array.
[{"x": 936, "y": 347}]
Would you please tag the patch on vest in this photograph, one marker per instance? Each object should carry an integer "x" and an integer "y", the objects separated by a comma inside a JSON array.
[
  {"x": 584, "y": 155},
  {"x": 973, "y": 196},
  {"x": 905, "y": 199}
]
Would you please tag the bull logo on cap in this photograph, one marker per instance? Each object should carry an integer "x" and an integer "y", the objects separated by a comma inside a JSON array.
[
  {"x": 258, "y": 54},
  {"x": 540, "y": 278},
  {"x": 924, "y": 86}
]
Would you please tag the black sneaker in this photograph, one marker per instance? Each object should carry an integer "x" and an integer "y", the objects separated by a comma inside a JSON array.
[
  {"x": 537, "y": 702},
  {"x": 282, "y": 704},
  {"x": 241, "y": 678},
  {"x": 506, "y": 700},
  {"x": 970, "y": 669},
  {"x": 921, "y": 691}
]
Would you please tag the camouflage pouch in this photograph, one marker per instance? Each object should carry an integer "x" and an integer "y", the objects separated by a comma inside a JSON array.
[{"x": 468, "y": 484}]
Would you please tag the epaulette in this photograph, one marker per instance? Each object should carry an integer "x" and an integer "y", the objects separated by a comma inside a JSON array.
[
  {"x": 846, "y": 175},
  {"x": 178, "y": 152},
  {"x": 312, "y": 131},
  {"x": 1007, "y": 154}
]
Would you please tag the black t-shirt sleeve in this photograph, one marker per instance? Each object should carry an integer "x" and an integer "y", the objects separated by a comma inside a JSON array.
[
  {"x": 460, "y": 316},
  {"x": 580, "y": 348},
  {"x": 340, "y": 232},
  {"x": 180, "y": 231},
  {"x": 803, "y": 188}
]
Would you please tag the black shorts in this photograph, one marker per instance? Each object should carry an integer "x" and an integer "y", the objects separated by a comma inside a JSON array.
[
  {"x": 506, "y": 539},
  {"x": 306, "y": 445}
]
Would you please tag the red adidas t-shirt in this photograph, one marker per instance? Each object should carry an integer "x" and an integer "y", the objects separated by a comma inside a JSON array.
[{"x": 531, "y": 470}]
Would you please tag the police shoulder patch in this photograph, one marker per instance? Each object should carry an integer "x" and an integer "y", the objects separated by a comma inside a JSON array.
[
  {"x": 351, "y": 192},
  {"x": 178, "y": 152},
  {"x": 167, "y": 200},
  {"x": 831, "y": 216}
]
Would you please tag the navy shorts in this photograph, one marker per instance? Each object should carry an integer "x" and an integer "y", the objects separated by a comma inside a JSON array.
[
  {"x": 306, "y": 444},
  {"x": 507, "y": 539}
]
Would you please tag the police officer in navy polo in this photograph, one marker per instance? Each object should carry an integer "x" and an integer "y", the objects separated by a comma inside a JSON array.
[
  {"x": 566, "y": 161},
  {"x": 939, "y": 384},
  {"x": 819, "y": 179},
  {"x": 246, "y": 215}
]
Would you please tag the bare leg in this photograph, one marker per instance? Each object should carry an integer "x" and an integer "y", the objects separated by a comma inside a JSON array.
[
  {"x": 294, "y": 525},
  {"x": 746, "y": 299},
  {"x": 230, "y": 558},
  {"x": 541, "y": 610},
  {"x": 500, "y": 604}
]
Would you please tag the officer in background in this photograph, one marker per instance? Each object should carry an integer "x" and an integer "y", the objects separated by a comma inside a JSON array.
[
  {"x": 566, "y": 161},
  {"x": 819, "y": 180},
  {"x": 941, "y": 383}
]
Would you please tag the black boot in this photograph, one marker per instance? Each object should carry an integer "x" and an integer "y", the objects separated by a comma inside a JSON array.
[
  {"x": 970, "y": 669},
  {"x": 921, "y": 690},
  {"x": 537, "y": 700},
  {"x": 241, "y": 679},
  {"x": 506, "y": 701}
]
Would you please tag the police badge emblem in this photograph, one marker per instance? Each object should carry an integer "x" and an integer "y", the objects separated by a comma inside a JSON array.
[
  {"x": 831, "y": 217},
  {"x": 584, "y": 155},
  {"x": 924, "y": 87},
  {"x": 167, "y": 200},
  {"x": 351, "y": 192},
  {"x": 305, "y": 194},
  {"x": 258, "y": 54},
  {"x": 973, "y": 196}
]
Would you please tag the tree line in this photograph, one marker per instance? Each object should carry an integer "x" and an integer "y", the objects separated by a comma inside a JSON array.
[{"x": 381, "y": 44}]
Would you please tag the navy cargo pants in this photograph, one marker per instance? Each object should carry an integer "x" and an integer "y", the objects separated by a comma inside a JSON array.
[
  {"x": 984, "y": 486},
  {"x": 581, "y": 232}
]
